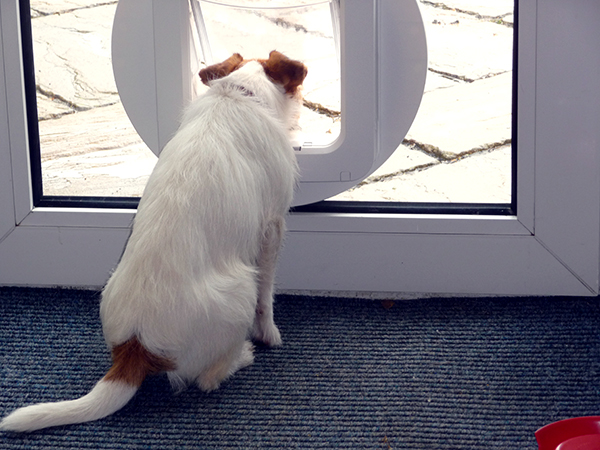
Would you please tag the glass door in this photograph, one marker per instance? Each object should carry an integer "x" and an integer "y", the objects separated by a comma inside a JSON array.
[{"x": 543, "y": 241}]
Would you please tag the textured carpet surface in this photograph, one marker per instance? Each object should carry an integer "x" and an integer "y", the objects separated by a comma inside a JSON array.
[{"x": 427, "y": 374}]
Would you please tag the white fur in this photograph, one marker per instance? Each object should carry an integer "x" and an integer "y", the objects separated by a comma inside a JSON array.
[
  {"x": 187, "y": 282},
  {"x": 104, "y": 399},
  {"x": 196, "y": 278}
]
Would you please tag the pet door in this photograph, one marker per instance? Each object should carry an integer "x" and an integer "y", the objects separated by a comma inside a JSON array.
[{"x": 373, "y": 53}]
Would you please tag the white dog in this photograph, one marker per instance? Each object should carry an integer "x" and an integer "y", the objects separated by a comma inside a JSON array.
[{"x": 196, "y": 278}]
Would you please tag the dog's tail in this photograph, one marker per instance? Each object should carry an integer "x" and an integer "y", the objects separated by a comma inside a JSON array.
[{"x": 132, "y": 362}]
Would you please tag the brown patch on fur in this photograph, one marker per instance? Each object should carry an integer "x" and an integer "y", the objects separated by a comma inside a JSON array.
[
  {"x": 132, "y": 362},
  {"x": 222, "y": 69},
  {"x": 284, "y": 71}
]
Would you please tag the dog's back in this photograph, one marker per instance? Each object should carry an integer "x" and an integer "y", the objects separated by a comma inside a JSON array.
[{"x": 228, "y": 171}]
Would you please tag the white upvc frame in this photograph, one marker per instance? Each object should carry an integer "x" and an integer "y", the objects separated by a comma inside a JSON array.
[{"x": 550, "y": 247}]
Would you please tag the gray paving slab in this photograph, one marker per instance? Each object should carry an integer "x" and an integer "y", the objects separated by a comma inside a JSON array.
[
  {"x": 72, "y": 57},
  {"x": 436, "y": 81},
  {"x": 94, "y": 152},
  {"x": 405, "y": 158},
  {"x": 465, "y": 116},
  {"x": 464, "y": 46},
  {"x": 481, "y": 178}
]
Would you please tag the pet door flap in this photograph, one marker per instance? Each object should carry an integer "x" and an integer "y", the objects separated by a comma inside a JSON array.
[{"x": 367, "y": 58}]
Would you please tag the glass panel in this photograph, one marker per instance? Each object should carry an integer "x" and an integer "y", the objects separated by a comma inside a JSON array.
[
  {"x": 459, "y": 146},
  {"x": 88, "y": 146},
  {"x": 458, "y": 149}
]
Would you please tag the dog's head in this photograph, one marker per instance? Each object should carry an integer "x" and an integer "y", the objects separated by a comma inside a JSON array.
[{"x": 283, "y": 71}]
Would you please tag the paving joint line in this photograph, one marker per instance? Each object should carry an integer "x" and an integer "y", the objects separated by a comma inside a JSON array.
[
  {"x": 290, "y": 25},
  {"x": 485, "y": 148},
  {"x": 449, "y": 157},
  {"x": 74, "y": 108},
  {"x": 429, "y": 150},
  {"x": 67, "y": 11},
  {"x": 60, "y": 99},
  {"x": 320, "y": 109},
  {"x": 499, "y": 20},
  {"x": 446, "y": 159}
]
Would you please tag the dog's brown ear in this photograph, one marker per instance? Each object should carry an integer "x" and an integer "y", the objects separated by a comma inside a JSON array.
[
  {"x": 285, "y": 71},
  {"x": 220, "y": 70}
]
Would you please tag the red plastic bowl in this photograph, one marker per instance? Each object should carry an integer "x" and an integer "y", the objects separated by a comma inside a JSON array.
[{"x": 581, "y": 433}]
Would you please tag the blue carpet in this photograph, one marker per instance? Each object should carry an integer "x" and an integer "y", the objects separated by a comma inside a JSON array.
[{"x": 427, "y": 374}]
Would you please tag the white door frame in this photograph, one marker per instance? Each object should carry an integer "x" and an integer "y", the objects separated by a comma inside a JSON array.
[{"x": 550, "y": 247}]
